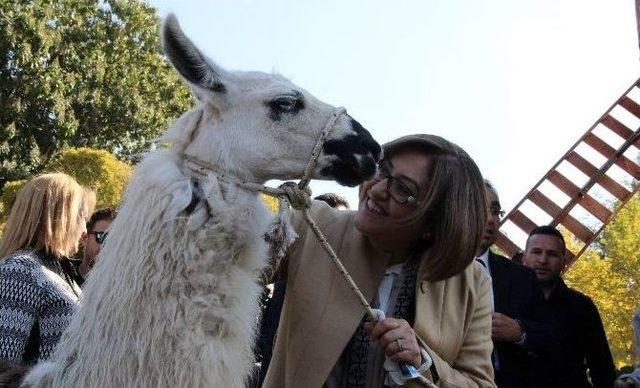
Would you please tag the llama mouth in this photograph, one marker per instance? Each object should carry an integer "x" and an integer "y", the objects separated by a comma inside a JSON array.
[{"x": 350, "y": 174}]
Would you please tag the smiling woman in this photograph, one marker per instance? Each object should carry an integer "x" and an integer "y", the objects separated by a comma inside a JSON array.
[{"x": 409, "y": 247}]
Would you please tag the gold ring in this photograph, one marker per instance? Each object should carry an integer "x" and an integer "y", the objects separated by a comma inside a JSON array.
[{"x": 399, "y": 343}]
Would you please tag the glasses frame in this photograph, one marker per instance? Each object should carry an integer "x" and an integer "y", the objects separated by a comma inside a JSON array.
[
  {"x": 99, "y": 236},
  {"x": 384, "y": 172},
  {"x": 496, "y": 211}
]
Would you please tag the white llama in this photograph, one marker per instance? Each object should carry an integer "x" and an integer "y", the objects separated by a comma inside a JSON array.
[{"x": 172, "y": 301}]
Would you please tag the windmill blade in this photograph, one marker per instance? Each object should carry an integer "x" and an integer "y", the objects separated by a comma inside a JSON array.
[{"x": 585, "y": 189}]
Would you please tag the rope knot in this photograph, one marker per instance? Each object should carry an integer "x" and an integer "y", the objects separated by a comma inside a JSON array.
[{"x": 298, "y": 197}]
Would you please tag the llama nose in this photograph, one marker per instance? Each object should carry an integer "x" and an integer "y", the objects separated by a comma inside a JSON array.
[
  {"x": 367, "y": 167},
  {"x": 366, "y": 140}
]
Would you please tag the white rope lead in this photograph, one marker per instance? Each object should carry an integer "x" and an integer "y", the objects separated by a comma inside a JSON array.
[{"x": 336, "y": 261}]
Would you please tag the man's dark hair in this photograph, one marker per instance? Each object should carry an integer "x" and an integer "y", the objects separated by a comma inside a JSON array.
[
  {"x": 107, "y": 213},
  {"x": 547, "y": 230},
  {"x": 334, "y": 200}
]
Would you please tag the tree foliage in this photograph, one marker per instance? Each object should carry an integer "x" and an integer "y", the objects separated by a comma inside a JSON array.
[
  {"x": 8, "y": 193},
  {"x": 96, "y": 169},
  {"x": 609, "y": 273},
  {"x": 80, "y": 73}
]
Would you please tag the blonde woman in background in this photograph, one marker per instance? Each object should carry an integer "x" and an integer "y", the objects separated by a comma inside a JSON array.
[{"x": 37, "y": 293}]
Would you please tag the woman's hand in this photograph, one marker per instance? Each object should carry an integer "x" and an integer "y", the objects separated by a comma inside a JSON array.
[{"x": 397, "y": 338}]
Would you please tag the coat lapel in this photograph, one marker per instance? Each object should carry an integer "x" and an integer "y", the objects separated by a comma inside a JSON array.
[
  {"x": 501, "y": 281},
  {"x": 342, "y": 311}
]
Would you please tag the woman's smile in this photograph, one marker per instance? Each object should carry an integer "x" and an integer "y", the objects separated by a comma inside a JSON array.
[{"x": 375, "y": 209}]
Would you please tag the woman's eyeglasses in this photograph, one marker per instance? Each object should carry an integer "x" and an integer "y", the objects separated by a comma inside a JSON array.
[
  {"x": 496, "y": 211},
  {"x": 100, "y": 236},
  {"x": 395, "y": 187}
]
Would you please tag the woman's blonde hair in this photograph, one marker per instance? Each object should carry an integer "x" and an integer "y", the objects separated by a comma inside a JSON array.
[
  {"x": 453, "y": 206},
  {"x": 48, "y": 214}
]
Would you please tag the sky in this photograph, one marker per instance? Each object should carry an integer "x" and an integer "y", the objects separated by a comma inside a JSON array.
[{"x": 514, "y": 83}]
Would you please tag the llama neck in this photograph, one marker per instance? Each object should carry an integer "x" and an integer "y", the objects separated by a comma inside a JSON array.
[
  {"x": 220, "y": 161},
  {"x": 197, "y": 168}
]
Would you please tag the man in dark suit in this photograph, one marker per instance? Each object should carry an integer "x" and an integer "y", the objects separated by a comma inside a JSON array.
[{"x": 520, "y": 331}]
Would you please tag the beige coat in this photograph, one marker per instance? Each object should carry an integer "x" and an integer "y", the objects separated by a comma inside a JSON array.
[{"x": 320, "y": 313}]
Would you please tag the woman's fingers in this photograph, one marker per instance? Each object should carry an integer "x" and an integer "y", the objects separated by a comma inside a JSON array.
[
  {"x": 383, "y": 326},
  {"x": 397, "y": 338}
]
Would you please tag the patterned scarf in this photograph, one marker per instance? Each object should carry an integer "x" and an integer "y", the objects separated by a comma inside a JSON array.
[{"x": 358, "y": 348}]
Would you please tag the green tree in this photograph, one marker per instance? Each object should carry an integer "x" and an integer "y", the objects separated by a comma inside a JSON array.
[
  {"x": 96, "y": 169},
  {"x": 609, "y": 273},
  {"x": 81, "y": 73}
]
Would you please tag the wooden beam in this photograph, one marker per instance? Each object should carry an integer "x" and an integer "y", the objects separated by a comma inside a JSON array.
[
  {"x": 576, "y": 227},
  {"x": 629, "y": 166},
  {"x": 630, "y": 105},
  {"x": 588, "y": 202},
  {"x": 617, "y": 127},
  {"x": 600, "y": 145},
  {"x": 545, "y": 204},
  {"x": 563, "y": 184},
  {"x": 613, "y": 187},
  {"x": 610, "y": 153},
  {"x": 594, "y": 207},
  {"x": 508, "y": 246},
  {"x": 579, "y": 230},
  {"x": 523, "y": 222}
]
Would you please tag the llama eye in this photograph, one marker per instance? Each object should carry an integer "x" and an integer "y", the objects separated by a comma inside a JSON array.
[{"x": 285, "y": 104}]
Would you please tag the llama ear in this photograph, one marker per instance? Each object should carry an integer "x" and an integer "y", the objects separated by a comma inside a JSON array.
[{"x": 188, "y": 60}]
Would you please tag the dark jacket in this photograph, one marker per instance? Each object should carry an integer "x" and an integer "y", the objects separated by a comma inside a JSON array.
[
  {"x": 583, "y": 343},
  {"x": 518, "y": 295},
  {"x": 268, "y": 328}
]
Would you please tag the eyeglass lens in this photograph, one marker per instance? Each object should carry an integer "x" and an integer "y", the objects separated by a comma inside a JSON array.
[{"x": 398, "y": 190}]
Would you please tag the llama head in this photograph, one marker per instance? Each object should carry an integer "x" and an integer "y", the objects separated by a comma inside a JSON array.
[{"x": 261, "y": 126}]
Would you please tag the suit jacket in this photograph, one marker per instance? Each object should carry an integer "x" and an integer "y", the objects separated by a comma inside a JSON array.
[
  {"x": 517, "y": 294},
  {"x": 321, "y": 313}
]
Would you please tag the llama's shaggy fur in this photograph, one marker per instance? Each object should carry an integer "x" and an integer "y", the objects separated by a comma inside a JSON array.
[
  {"x": 172, "y": 300},
  {"x": 194, "y": 272}
]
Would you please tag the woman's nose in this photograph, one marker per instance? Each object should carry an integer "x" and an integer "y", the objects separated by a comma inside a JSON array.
[{"x": 379, "y": 188}]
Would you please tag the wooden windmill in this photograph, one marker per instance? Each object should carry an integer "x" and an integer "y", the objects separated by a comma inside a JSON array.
[{"x": 595, "y": 178}]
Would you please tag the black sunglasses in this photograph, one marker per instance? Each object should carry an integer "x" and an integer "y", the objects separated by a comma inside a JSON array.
[{"x": 100, "y": 236}]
